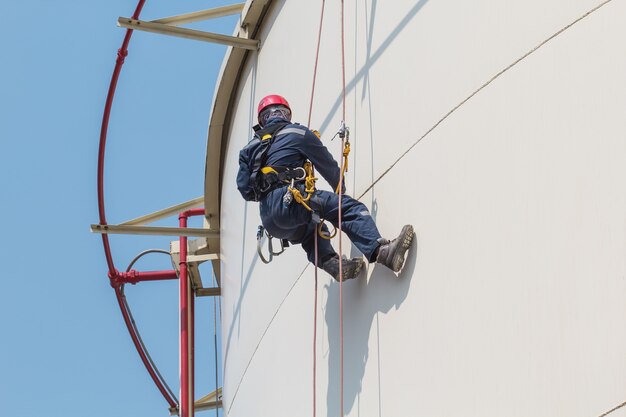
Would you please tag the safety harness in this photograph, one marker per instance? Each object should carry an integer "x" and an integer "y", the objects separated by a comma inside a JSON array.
[
  {"x": 279, "y": 176},
  {"x": 264, "y": 179},
  {"x": 271, "y": 177},
  {"x": 260, "y": 146}
]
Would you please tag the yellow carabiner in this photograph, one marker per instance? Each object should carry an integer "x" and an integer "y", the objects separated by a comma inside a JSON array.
[{"x": 325, "y": 235}]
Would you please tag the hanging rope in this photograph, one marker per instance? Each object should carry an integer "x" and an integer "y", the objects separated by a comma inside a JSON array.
[
  {"x": 341, "y": 177},
  {"x": 345, "y": 150},
  {"x": 317, "y": 54}
]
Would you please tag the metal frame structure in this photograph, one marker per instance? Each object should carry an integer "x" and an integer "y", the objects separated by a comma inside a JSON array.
[
  {"x": 252, "y": 16},
  {"x": 169, "y": 26},
  {"x": 150, "y": 230},
  {"x": 198, "y": 35},
  {"x": 190, "y": 284}
]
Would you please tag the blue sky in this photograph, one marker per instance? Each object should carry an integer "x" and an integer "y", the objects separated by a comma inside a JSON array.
[{"x": 65, "y": 350}]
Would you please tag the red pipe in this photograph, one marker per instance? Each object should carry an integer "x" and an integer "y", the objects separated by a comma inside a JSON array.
[
  {"x": 186, "y": 324},
  {"x": 192, "y": 352},
  {"x": 121, "y": 55},
  {"x": 184, "y": 328},
  {"x": 113, "y": 273},
  {"x": 133, "y": 335},
  {"x": 192, "y": 212},
  {"x": 133, "y": 277}
]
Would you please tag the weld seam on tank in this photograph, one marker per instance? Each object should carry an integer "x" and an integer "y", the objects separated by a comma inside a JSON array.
[{"x": 479, "y": 89}]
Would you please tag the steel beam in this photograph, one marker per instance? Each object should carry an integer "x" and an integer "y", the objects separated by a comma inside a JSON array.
[
  {"x": 202, "y": 15},
  {"x": 167, "y": 212},
  {"x": 200, "y": 406},
  {"x": 198, "y": 35},
  {"x": 151, "y": 230},
  {"x": 209, "y": 292},
  {"x": 202, "y": 258}
]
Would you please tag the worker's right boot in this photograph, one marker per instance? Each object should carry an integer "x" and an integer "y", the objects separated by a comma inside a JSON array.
[
  {"x": 391, "y": 253},
  {"x": 350, "y": 268}
]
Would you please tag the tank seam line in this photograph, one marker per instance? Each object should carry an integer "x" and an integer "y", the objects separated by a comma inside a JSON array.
[
  {"x": 613, "y": 409},
  {"x": 263, "y": 336},
  {"x": 479, "y": 89}
]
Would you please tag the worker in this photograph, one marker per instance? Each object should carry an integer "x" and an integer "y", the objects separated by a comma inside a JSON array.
[{"x": 274, "y": 160}]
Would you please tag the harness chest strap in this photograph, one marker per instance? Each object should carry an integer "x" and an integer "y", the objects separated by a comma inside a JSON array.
[
  {"x": 264, "y": 138},
  {"x": 290, "y": 175}
]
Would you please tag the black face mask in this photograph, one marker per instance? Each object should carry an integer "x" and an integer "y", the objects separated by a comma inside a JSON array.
[{"x": 274, "y": 113}]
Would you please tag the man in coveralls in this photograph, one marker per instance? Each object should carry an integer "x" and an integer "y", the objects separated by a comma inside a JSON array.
[{"x": 284, "y": 218}]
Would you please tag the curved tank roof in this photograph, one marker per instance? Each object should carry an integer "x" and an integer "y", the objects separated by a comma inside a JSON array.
[{"x": 497, "y": 130}]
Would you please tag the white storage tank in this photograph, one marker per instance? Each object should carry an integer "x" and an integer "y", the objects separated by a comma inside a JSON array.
[{"x": 498, "y": 130}]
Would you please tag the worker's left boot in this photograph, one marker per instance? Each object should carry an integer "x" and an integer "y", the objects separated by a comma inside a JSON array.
[
  {"x": 391, "y": 253},
  {"x": 350, "y": 268}
]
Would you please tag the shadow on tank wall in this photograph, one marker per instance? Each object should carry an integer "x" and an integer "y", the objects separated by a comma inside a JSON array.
[
  {"x": 371, "y": 57},
  {"x": 245, "y": 275},
  {"x": 363, "y": 301},
  {"x": 366, "y": 298}
]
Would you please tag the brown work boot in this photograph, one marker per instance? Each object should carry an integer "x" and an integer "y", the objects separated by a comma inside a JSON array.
[
  {"x": 350, "y": 268},
  {"x": 391, "y": 253}
]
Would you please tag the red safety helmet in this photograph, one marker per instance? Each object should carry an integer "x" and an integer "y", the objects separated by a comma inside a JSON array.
[{"x": 271, "y": 100}]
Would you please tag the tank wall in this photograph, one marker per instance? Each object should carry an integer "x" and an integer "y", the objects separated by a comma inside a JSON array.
[{"x": 511, "y": 302}]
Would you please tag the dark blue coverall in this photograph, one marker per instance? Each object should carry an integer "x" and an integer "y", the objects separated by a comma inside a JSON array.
[{"x": 292, "y": 146}]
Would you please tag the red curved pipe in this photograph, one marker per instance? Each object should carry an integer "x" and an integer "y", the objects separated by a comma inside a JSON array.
[
  {"x": 133, "y": 335},
  {"x": 113, "y": 273},
  {"x": 121, "y": 54}
]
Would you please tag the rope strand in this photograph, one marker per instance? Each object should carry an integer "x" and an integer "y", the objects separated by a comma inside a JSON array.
[
  {"x": 315, "y": 333},
  {"x": 340, "y": 186},
  {"x": 344, "y": 164},
  {"x": 317, "y": 54}
]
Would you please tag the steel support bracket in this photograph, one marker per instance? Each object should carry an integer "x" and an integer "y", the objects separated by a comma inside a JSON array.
[
  {"x": 163, "y": 29},
  {"x": 198, "y": 251},
  {"x": 166, "y": 212},
  {"x": 151, "y": 230},
  {"x": 202, "y": 15},
  {"x": 209, "y": 292}
]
